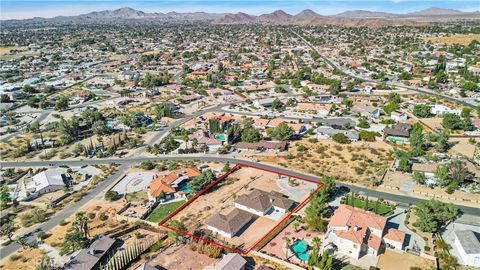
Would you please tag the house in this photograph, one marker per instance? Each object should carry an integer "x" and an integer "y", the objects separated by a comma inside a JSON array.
[
  {"x": 356, "y": 233},
  {"x": 230, "y": 224},
  {"x": 369, "y": 112},
  {"x": 260, "y": 123},
  {"x": 400, "y": 132},
  {"x": 203, "y": 138},
  {"x": 279, "y": 146},
  {"x": 427, "y": 168},
  {"x": 398, "y": 116},
  {"x": 275, "y": 122},
  {"x": 297, "y": 128},
  {"x": 327, "y": 132},
  {"x": 171, "y": 183},
  {"x": 468, "y": 245},
  {"x": 442, "y": 109},
  {"x": 261, "y": 203},
  {"x": 231, "y": 261},
  {"x": 92, "y": 257},
  {"x": 47, "y": 181},
  {"x": 316, "y": 108}
]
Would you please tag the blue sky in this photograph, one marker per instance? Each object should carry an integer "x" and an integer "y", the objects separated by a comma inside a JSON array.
[{"x": 20, "y": 9}]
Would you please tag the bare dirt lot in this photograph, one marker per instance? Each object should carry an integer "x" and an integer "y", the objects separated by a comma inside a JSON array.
[
  {"x": 455, "y": 39},
  {"x": 390, "y": 261},
  {"x": 220, "y": 199},
  {"x": 356, "y": 162}
]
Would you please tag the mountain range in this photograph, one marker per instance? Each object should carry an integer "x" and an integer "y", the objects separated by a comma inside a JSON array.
[{"x": 307, "y": 16}]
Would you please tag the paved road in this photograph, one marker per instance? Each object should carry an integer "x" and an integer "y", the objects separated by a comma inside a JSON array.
[
  {"x": 400, "y": 85},
  {"x": 65, "y": 213},
  {"x": 216, "y": 158}
]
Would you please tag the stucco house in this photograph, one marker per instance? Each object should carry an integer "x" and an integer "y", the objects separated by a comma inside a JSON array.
[
  {"x": 468, "y": 246},
  {"x": 260, "y": 202},
  {"x": 356, "y": 233}
]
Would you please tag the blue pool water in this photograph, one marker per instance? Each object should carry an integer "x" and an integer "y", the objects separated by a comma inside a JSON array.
[
  {"x": 184, "y": 187},
  {"x": 109, "y": 123},
  {"x": 300, "y": 249}
]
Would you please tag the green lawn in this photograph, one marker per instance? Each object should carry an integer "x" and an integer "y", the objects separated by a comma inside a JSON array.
[
  {"x": 162, "y": 211},
  {"x": 383, "y": 208}
]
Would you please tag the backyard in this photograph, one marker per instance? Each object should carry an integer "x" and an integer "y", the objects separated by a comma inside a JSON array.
[{"x": 163, "y": 210}]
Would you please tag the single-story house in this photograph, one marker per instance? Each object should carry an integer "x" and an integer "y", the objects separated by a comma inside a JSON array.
[
  {"x": 47, "y": 181},
  {"x": 230, "y": 224},
  {"x": 260, "y": 202},
  {"x": 276, "y": 146},
  {"x": 468, "y": 245},
  {"x": 230, "y": 261},
  {"x": 92, "y": 257},
  {"x": 171, "y": 183}
]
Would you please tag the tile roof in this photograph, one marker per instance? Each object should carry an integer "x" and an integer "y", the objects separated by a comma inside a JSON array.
[
  {"x": 347, "y": 215},
  {"x": 163, "y": 183},
  {"x": 395, "y": 235},
  {"x": 231, "y": 222},
  {"x": 262, "y": 201}
]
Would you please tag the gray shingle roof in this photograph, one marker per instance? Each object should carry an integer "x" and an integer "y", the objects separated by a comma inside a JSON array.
[{"x": 469, "y": 241}]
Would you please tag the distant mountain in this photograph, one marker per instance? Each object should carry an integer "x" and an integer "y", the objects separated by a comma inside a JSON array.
[
  {"x": 239, "y": 17},
  {"x": 306, "y": 17},
  {"x": 365, "y": 14},
  {"x": 308, "y": 14},
  {"x": 276, "y": 17},
  {"x": 434, "y": 11},
  {"x": 121, "y": 13}
]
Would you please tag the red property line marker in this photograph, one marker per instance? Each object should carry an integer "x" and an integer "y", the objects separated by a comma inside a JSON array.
[{"x": 220, "y": 178}]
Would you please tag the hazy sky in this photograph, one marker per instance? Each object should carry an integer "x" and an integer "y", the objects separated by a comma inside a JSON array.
[{"x": 20, "y": 9}]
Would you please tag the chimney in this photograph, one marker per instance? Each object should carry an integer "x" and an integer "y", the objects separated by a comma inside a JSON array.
[{"x": 356, "y": 228}]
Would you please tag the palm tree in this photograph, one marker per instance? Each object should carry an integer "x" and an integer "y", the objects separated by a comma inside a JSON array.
[
  {"x": 316, "y": 241},
  {"x": 287, "y": 246},
  {"x": 295, "y": 225}
]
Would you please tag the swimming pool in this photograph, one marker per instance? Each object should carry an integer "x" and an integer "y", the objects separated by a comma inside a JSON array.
[
  {"x": 183, "y": 186},
  {"x": 300, "y": 249}
]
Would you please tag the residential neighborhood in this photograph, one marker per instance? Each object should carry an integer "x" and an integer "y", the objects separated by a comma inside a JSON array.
[{"x": 240, "y": 135}]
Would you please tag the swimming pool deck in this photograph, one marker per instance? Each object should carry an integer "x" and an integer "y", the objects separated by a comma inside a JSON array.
[{"x": 277, "y": 245}]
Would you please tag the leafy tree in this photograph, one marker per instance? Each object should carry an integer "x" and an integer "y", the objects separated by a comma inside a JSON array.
[
  {"x": 458, "y": 171},
  {"x": 174, "y": 236},
  {"x": 368, "y": 136},
  {"x": 443, "y": 175},
  {"x": 442, "y": 141},
  {"x": 417, "y": 139},
  {"x": 73, "y": 240},
  {"x": 282, "y": 132},
  {"x": 363, "y": 123},
  {"x": 111, "y": 195},
  {"x": 251, "y": 135},
  {"x": 170, "y": 144},
  {"x": 277, "y": 104},
  {"x": 390, "y": 107},
  {"x": 419, "y": 177},
  {"x": 5, "y": 196},
  {"x": 403, "y": 164},
  {"x": 202, "y": 181},
  {"x": 7, "y": 230},
  {"x": 315, "y": 211},
  {"x": 340, "y": 138},
  {"x": 99, "y": 128},
  {"x": 452, "y": 121},
  {"x": 61, "y": 103},
  {"x": 421, "y": 110},
  {"x": 433, "y": 214}
]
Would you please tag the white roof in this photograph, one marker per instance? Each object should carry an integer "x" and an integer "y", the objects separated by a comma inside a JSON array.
[{"x": 50, "y": 177}]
